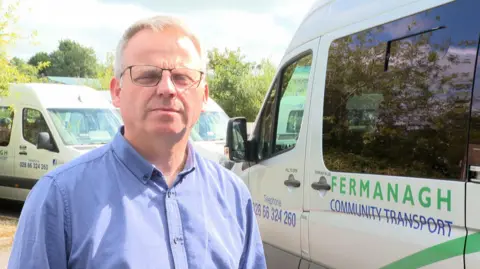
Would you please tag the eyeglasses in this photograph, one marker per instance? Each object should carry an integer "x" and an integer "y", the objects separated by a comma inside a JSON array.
[{"x": 149, "y": 76}]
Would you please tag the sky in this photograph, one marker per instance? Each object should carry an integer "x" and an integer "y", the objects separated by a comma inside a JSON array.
[{"x": 260, "y": 28}]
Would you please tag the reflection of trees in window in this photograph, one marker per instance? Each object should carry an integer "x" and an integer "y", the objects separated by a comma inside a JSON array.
[
  {"x": 6, "y": 123},
  {"x": 399, "y": 113},
  {"x": 294, "y": 82},
  {"x": 299, "y": 70},
  {"x": 294, "y": 121},
  {"x": 292, "y": 98},
  {"x": 33, "y": 124}
]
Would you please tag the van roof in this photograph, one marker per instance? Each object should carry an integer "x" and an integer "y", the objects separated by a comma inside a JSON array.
[
  {"x": 52, "y": 95},
  {"x": 106, "y": 95},
  {"x": 212, "y": 105},
  {"x": 326, "y": 16}
]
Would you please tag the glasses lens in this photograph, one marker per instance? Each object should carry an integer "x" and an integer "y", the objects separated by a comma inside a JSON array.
[
  {"x": 184, "y": 78},
  {"x": 146, "y": 75}
]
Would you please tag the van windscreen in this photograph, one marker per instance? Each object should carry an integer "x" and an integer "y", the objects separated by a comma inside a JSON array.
[
  {"x": 85, "y": 126},
  {"x": 211, "y": 126}
]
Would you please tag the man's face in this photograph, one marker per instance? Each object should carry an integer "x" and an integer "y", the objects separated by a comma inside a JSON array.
[{"x": 172, "y": 106}]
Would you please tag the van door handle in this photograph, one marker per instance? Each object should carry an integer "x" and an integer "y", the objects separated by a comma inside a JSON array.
[
  {"x": 291, "y": 182},
  {"x": 22, "y": 153},
  {"x": 321, "y": 186}
]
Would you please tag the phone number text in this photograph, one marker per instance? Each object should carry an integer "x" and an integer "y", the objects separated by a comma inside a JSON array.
[
  {"x": 34, "y": 165},
  {"x": 275, "y": 214}
]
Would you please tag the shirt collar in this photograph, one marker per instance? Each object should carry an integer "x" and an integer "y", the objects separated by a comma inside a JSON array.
[
  {"x": 190, "y": 163},
  {"x": 138, "y": 165}
]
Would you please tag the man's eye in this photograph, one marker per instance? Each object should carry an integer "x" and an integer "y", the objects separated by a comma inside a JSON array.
[
  {"x": 184, "y": 79},
  {"x": 180, "y": 77},
  {"x": 147, "y": 77}
]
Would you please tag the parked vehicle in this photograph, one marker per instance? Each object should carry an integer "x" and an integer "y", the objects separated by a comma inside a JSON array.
[
  {"x": 45, "y": 125},
  {"x": 378, "y": 167},
  {"x": 209, "y": 133}
]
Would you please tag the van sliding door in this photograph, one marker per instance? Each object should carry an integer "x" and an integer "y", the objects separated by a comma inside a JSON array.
[
  {"x": 472, "y": 250},
  {"x": 388, "y": 185}
]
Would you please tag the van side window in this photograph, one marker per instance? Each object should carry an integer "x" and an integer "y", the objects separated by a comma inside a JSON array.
[
  {"x": 294, "y": 121},
  {"x": 284, "y": 120},
  {"x": 292, "y": 101},
  {"x": 6, "y": 123},
  {"x": 33, "y": 123},
  {"x": 397, "y": 98},
  {"x": 265, "y": 141}
]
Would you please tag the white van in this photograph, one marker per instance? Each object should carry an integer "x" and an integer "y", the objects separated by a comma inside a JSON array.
[
  {"x": 108, "y": 96},
  {"x": 209, "y": 133},
  {"x": 378, "y": 167},
  {"x": 45, "y": 125}
]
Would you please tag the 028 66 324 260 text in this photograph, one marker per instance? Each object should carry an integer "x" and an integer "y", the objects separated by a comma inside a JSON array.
[{"x": 275, "y": 214}]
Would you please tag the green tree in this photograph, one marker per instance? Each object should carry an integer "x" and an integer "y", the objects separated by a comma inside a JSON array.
[
  {"x": 71, "y": 59},
  {"x": 258, "y": 83},
  {"x": 10, "y": 71},
  {"x": 237, "y": 85},
  {"x": 25, "y": 68},
  {"x": 39, "y": 58},
  {"x": 105, "y": 72}
]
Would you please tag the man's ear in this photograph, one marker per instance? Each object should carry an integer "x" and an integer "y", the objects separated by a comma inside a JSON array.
[{"x": 115, "y": 89}]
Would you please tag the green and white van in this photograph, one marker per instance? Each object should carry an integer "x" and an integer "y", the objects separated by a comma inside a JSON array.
[
  {"x": 376, "y": 162},
  {"x": 44, "y": 125}
]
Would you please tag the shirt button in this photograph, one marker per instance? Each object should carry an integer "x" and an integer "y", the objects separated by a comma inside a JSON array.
[{"x": 175, "y": 241}]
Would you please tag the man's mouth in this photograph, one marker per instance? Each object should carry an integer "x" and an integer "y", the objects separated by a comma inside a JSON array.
[{"x": 165, "y": 109}]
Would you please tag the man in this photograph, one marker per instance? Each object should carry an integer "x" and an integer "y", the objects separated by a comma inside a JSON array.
[{"x": 147, "y": 199}]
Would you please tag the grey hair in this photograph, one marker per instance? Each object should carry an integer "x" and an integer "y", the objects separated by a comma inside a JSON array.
[{"x": 156, "y": 23}]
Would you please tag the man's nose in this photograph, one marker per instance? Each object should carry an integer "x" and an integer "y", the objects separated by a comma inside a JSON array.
[{"x": 165, "y": 86}]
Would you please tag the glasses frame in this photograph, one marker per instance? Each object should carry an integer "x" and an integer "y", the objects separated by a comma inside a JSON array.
[{"x": 197, "y": 83}]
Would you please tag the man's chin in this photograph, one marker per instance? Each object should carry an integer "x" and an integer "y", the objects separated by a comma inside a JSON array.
[{"x": 168, "y": 130}]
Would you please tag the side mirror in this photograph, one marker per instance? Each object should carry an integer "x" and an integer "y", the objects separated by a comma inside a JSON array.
[
  {"x": 44, "y": 142},
  {"x": 236, "y": 147}
]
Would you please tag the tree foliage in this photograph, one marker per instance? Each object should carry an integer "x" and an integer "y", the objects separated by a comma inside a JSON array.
[
  {"x": 105, "y": 72},
  {"x": 237, "y": 85},
  {"x": 71, "y": 59},
  {"x": 38, "y": 58},
  {"x": 14, "y": 70}
]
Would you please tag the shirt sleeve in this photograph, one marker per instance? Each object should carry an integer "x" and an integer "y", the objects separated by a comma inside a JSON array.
[
  {"x": 40, "y": 238},
  {"x": 253, "y": 255}
]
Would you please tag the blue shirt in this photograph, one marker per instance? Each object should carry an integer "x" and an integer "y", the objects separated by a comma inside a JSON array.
[{"x": 110, "y": 208}]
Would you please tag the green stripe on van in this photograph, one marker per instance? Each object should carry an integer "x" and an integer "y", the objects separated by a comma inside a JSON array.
[
  {"x": 473, "y": 243},
  {"x": 440, "y": 252}
]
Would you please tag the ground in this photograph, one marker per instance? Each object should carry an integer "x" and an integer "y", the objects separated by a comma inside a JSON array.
[
  {"x": 9, "y": 213},
  {"x": 7, "y": 231}
]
